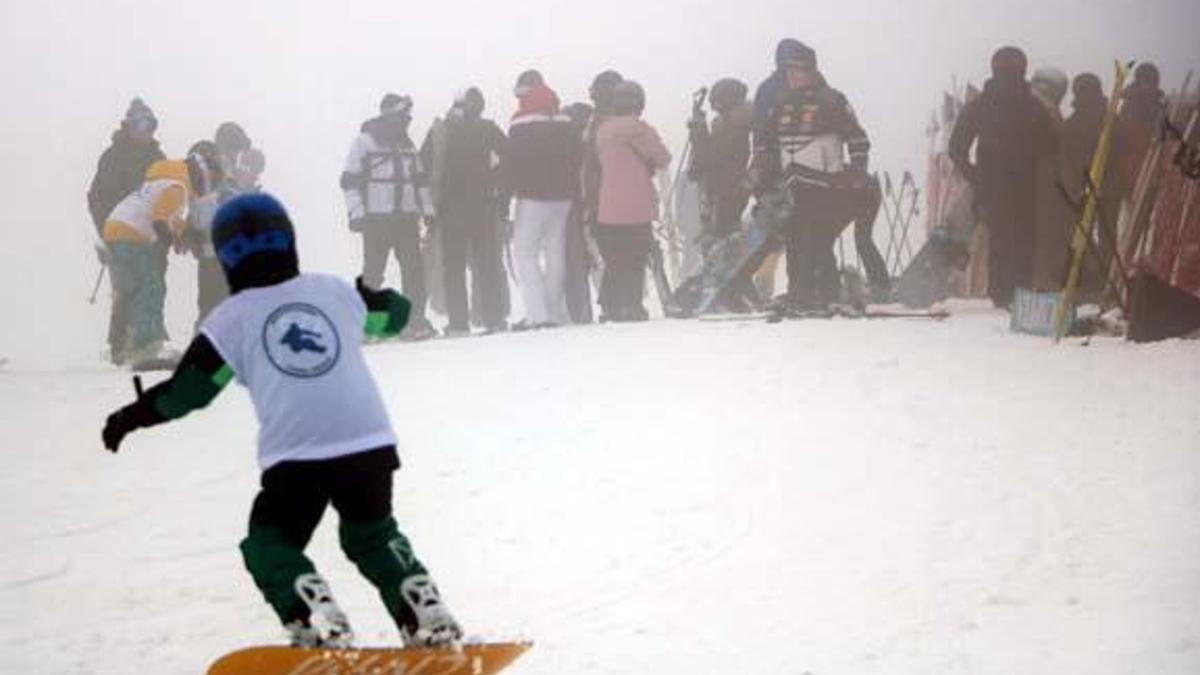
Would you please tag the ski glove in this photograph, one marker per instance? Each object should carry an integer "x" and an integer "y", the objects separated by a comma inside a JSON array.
[
  {"x": 136, "y": 415},
  {"x": 115, "y": 430}
]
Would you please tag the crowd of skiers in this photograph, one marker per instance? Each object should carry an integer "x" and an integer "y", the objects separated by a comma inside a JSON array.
[
  {"x": 517, "y": 202},
  {"x": 144, "y": 205},
  {"x": 567, "y": 191},
  {"x": 1029, "y": 172}
]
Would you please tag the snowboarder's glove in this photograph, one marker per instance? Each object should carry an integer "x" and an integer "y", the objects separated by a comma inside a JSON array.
[
  {"x": 136, "y": 415},
  {"x": 119, "y": 425}
]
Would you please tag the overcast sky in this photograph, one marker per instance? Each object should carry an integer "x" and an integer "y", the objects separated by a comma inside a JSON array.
[{"x": 301, "y": 77}]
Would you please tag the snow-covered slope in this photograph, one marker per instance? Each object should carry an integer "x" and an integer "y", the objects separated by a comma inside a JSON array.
[{"x": 823, "y": 497}]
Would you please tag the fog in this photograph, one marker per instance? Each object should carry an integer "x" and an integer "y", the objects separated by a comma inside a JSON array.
[{"x": 300, "y": 78}]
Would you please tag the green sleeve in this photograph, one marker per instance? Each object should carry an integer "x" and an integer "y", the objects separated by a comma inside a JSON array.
[{"x": 200, "y": 376}]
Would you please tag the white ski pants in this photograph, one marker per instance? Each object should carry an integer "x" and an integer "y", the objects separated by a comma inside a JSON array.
[{"x": 539, "y": 237}]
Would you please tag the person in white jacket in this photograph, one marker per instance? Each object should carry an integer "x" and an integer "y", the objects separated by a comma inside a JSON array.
[{"x": 387, "y": 197}]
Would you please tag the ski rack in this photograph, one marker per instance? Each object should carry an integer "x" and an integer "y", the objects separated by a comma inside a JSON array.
[{"x": 900, "y": 208}]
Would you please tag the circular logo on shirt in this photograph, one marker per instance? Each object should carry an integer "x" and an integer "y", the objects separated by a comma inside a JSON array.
[{"x": 301, "y": 341}]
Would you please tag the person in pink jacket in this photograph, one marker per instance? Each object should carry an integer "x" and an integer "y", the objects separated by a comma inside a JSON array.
[{"x": 630, "y": 152}]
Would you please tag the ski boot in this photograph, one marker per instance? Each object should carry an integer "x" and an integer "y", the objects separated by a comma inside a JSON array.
[
  {"x": 327, "y": 623},
  {"x": 431, "y": 624}
]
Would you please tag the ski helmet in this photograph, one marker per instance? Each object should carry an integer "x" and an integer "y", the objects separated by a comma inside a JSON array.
[
  {"x": 580, "y": 114},
  {"x": 794, "y": 52},
  {"x": 601, "y": 90},
  {"x": 1087, "y": 88},
  {"x": 255, "y": 242},
  {"x": 395, "y": 104},
  {"x": 472, "y": 103},
  {"x": 204, "y": 167},
  {"x": 1009, "y": 61},
  {"x": 250, "y": 160},
  {"x": 1050, "y": 84},
  {"x": 726, "y": 94},
  {"x": 526, "y": 81},
  {"x": 628, "y": 98},
  {"x": 231, "y": 139},
  {"x": 1146, "y": 74},
  {"x": 139, "y": 118}
]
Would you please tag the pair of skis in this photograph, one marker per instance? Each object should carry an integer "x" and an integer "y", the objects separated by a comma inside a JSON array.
[{"x": 832, "y": 312}]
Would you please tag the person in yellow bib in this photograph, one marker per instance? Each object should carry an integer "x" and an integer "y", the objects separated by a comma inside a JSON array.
[{"x": 138, "y": 232}]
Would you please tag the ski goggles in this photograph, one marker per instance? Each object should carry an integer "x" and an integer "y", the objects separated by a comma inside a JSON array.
[{"x": 237, "y": 248}]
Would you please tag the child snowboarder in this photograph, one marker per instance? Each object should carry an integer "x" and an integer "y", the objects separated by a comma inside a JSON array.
[{"x": 294, "y": 340}]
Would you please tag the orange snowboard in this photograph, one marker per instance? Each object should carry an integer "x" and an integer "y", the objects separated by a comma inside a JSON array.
[{"x": 471, "y": 659}]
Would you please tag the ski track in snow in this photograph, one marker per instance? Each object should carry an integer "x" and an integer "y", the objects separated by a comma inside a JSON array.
[{"x": 824, "y": 497}]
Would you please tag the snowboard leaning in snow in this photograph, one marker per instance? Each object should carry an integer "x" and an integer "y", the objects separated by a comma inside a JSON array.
[{"x": 470, "y": 659}]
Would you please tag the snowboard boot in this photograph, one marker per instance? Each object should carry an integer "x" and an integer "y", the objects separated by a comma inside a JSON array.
[
  {"x": 327, "y": 620},
  {"x": 302, "y": 634},
  {"x": 430, "y": 623}
]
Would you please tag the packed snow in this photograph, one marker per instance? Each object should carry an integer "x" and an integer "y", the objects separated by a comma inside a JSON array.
[{"x": 823, "y": 497}]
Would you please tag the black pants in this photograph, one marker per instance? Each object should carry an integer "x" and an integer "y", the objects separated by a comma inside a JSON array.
[
  {"x": 293, "y": 498},
  {"x": 1011, "y": 242},
  {"x": 724, "y": 213},
  {"x": 821, "y": 215},
  {"x": 399, "y": 234},
  {"x": 626, "y": 252},
  {"x": 470, "y": 234},
  {"x": 295, "y": 495},
  {"x": 864, "y": 208}
]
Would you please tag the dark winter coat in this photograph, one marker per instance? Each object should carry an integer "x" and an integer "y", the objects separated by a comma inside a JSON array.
[
  {"x": 120, "y": 171},
  {"x": 1010, "y": 128},
  {"x": 720, "y": 155},
  {"x": 1012, "y": 133},
  {"x": 1140, "y": 118},
  {"x": 542, "y": 159},
  {"x": 465, "y": 164},
  {"x": 1080, "y": 136},
  {"x": 817, "y": 111}
]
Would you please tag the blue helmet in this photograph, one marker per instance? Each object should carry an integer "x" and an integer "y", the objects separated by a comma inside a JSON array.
[{"x": 255, "y": 242}]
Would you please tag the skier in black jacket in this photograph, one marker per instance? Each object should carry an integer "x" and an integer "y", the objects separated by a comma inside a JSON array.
[
  {"x": 120, "y": 171},
  {"x": 1010, "y": 130},
  {"x": 804, "y": 131},
  {"x": 464, "y": 151}
]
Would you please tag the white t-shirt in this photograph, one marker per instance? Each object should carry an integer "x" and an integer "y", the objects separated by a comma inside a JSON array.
[{"x": 297, "y": 346}]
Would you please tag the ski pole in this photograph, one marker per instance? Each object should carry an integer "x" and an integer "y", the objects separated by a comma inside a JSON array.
[
  {"x": 886, "y": 203},
  {"x": 96, "y": 286}
]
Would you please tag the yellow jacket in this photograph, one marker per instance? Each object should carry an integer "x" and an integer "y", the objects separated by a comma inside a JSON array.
[{"x": 163, "y": 196}]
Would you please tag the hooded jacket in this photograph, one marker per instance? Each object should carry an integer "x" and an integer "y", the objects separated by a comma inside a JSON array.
[
  {"x": 463, "y": 152},
  {"x": 120, "y": 171},
  {"x": 1010, "y": 129},
  {"x": 383, "y": 174}
]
